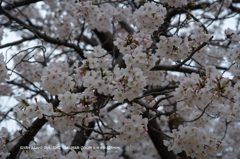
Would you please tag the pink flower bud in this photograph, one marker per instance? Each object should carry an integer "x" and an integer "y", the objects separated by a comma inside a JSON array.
[{"x": 95, "y": 101}]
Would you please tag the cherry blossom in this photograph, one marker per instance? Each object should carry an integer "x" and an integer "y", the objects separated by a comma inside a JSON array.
[{"x": 109, "y": 79}]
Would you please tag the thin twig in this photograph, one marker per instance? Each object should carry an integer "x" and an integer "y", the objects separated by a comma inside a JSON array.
[{"x": 199, "y": 115}]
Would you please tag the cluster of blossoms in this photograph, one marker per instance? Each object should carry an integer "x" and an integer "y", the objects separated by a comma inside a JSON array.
[
  {"x": 149, "y": 17},
  {"x": 132, "y": 41},
  {"x": 219, "y": 90},
  {"x": 133, "y": 50},
  {"x": 3, "y": 69},
  {"x": 123, "y": 83},
  {"x": 234, "y": 57},
  {"x": 132, "y": 130},
  {"x": 96, "y": 17},
  {"x": 58, "y": 117},
  {"x": 194, "y": 142},
  {"x": 155, "y": 78},
  {"x": 93, "y": 71},
  {"x": 223, "y": 98},
  {"x": 65, "y": 118},
  {"x": 134, "y": 109},
  {"x": 234, "y": 53},
  {"x": 174, "y": 48},
  {"x": 69, "y": 101},
  {"x": 99, "y": 75},
  {"x": 55, "y": 80},
  {"x": 200, "y": 34},
  {"x": 232, "y": 35},
  {"x": 30, "y": 71},
  {"x": 189, "y": 113},
  {"x": 235, "y": 71},
  {"x": 26, "y": 111},
  {"x": 129, "y": 83},
  {"x": 121, "y": 14},
  {"x": 3, "y": 140},
  {"x": 64, "y": 27}
]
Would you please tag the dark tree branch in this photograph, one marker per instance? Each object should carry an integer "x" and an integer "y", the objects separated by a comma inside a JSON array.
[
  {"x": 126, "y": 26},
  {"x": 29, "y": 134},
  {"x": 80, "y": 137},
  {"x": 163, "y": 29},
  {"x": 160, "y": 89},
  {"x": 199, "y": 115},
  {"x": 18, "y": 42},
  {"x": 157, "y": 139},
  {"x": 106, "y": 40},
  {"x": 192, "y": 53},
  {"x": 234, "y": 9},
  {"x": 16, "y": 4},
  {"x": 27, "y": 137},
  {"x": 173, "y": 68},
  {"x": 43, "y": 36},
  {"x": 6, "y": 114}
]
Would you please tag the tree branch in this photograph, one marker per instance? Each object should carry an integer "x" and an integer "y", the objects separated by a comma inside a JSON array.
[
  {"x": 192, "y": 53},
  {"x": 27, "y": 137},
  {"x": 41, "y": 35},
  {"x": 174, "y": 68},
  {"x": 80, "y": 137},
  {"x": 16, "y": 4},
  {"x": 29, "y": 134},
  {"x": 18, "y": 42},
  {"x": 157, "y": 139}
]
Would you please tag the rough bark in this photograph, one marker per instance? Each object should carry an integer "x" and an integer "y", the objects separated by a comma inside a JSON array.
[
  {"x": 80, "y": 137},
  {"x": 28, "y": 136},
  {"x": 157, "y": 140}
]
